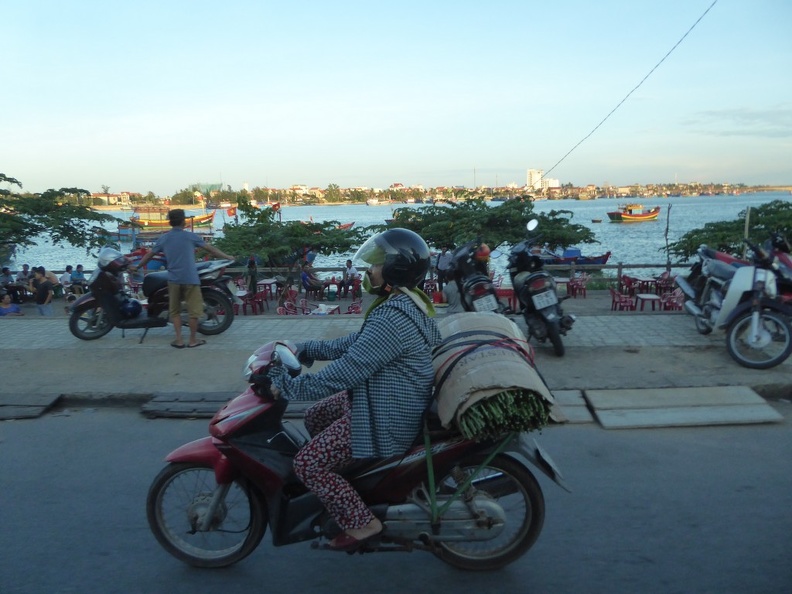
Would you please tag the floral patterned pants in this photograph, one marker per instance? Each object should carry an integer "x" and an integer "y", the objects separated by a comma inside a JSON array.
[{"x": 329, "y": 424}]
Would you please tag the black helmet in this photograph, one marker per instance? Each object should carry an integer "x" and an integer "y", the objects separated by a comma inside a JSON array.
[{"x": 403, "y": 253}]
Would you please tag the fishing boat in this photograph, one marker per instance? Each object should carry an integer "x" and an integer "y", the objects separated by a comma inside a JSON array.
[
  {"x": 204, "y": 220},
  {"x": 574, "y": 256},
  {"x": 137, "y": 224},
  {"x": 633, "y": 213}
]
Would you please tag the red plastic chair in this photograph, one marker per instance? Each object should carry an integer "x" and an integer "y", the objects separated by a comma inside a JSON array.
[
  {"x": 620, "y": 301},
  {"x": 248, "y": 300},
  {"x": 355, "y": 308}
]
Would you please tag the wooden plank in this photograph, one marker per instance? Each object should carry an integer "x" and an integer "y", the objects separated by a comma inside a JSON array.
[{"x": 687, "y": 416}]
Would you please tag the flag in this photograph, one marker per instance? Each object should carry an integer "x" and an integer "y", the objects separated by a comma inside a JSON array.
[{"x": 231, "y": 212}]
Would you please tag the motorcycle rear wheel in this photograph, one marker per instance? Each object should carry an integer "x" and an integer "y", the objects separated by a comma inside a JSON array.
[
  {"x": 218, "y": 313},
  {"x": 89, "y": 322},
  {"x": 177, "y": 500},
  {"x": 554, "y": 334},
  {"x": 773, "y": 350},
  {"x": 519, "y": 494}
]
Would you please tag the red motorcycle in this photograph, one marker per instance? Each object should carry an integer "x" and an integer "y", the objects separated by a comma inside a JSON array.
[
  {"x": 108, "y": 305},
  {"x": 475, "y": 505}
]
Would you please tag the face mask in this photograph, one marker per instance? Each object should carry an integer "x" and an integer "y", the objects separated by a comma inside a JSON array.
[{"x": 367, "y": 285}]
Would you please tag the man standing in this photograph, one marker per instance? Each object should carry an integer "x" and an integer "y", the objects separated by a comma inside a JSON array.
[
  {"x": 44, "y": 292},
  {"x": 442, "y": 265},
  {"x": 183, "y": 281}
]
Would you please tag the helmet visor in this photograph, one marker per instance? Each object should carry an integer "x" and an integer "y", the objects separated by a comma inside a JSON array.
[{"x": 370, "y": 253}]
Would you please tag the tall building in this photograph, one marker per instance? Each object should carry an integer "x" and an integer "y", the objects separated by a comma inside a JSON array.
[{"x": 535, "y": 179}]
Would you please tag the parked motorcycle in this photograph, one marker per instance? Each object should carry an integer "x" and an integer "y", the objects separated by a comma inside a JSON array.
[
  {"x": 468, "y": 269},
  {"x": 474, "y": 504},
  {"x": 745, "y": 302},
  {"x": 107, "y": 305},
  {"x": 779, "y": 246},
  {"x": 536, "y": 290}
]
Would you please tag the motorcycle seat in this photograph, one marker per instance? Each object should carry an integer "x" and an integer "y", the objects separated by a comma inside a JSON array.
[
  {"x": 153, "y": 282},
  {"x": 720, "y": 269}
]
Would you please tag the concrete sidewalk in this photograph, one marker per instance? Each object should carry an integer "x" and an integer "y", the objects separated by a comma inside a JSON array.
[{"x": 605, "y": 351}]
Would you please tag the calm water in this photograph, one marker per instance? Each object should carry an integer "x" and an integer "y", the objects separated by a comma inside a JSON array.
[{"x": 631, "y": 243}]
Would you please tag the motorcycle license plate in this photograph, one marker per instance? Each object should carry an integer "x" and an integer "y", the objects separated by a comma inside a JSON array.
[
  {"x": 546, "y": 299},
  {"x": 485, "y": 303}
]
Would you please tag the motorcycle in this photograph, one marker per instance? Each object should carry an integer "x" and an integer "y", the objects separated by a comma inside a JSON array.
[
  {"x": 468, "y": 269},
  {"x": 107, "y": 305},
  {"x": 745, "y": 302},
  {"x": 474, "y": 504},
  {"x": 780, "y": 247},
  {"x": 536, "y": 290}
]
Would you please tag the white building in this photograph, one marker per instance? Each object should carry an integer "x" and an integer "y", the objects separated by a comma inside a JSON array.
[{"x": 535, "y": 179}]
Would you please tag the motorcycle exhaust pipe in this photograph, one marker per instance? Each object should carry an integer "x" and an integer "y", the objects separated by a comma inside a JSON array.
[
  {"x": 693, "y": 309},
  {"x": 685, "y": 286}
]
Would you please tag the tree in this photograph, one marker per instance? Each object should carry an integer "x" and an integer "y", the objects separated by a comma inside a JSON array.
[
  {"x": 25, "y": 217},
  {"x": 727, "y": 236},
  {"x": 282, "y": 244},
  {"x": 333, "y": 193},
  {"x": 455, "y": 224}
]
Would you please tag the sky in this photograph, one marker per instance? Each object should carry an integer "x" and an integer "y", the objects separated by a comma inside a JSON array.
[{"x": 158, "y": 95}]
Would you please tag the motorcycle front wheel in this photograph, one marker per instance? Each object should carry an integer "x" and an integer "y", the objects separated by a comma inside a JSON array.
[
  {"x": 89, "y": 322},
  {"x": 218, "y": 313},
  {"x": 517, "y": 491},
  {"x": 771, "y": 346},
  {"x": 177, "y": 503}
]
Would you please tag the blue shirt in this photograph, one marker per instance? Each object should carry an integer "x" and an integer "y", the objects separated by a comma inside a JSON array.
[
  {"x": 179, "y": 247},
  {"x": 12, "y": 308}
]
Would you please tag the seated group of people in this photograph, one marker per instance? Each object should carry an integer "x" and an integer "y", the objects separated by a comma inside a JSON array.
[
  {"x": 311, "y": 282},
  {"x": 41, "y": 284}
]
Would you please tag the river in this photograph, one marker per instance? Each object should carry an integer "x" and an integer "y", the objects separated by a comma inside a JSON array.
[{"x": 629, "y": 243}]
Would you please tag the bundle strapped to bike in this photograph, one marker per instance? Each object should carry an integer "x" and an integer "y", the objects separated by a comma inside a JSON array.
[{"x": 485, "y": 382}]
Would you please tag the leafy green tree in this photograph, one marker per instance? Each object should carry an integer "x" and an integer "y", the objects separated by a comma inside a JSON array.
[
  {"x": 333, "y": 193},
  {"x": 727, "y": 236},
  {"x": 280, "y": 244},
  {"x": 455, "y": 224},
  {"x": 58, "y": 214}
]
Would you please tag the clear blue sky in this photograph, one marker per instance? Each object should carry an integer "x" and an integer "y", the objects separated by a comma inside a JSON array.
[{"x": 158, "y": 95}]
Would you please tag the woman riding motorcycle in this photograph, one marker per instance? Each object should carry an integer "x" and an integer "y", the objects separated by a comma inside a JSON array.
[{"x": 374, "y": 393}]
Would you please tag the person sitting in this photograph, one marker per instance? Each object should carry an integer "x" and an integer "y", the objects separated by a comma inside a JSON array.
[
  {"x": 65, "y": 279},
  {"x": 373, "y": 394},
  {"x": 24, "y": 276},
  {"x": 78, "y": 282},
  {"x": 7, "y": 308},
  {"x": 310, "y": 281},
  {"x": 11, "y": 286},
  {"x": 350, "y": 276}
]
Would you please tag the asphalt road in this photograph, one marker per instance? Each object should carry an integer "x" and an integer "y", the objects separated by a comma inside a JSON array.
[{"x": 662, "y": 510}]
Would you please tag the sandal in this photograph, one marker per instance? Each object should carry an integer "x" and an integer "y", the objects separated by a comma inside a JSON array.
[{"x": 197, "y": 344}]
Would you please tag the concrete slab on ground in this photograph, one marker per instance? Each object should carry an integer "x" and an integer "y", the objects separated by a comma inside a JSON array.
[
  {"x": 680, "y": 407},
  {"x": 27, "y": 406},
  {"x": 201, "y": 405},
  {"x": 572, "y": 406}
]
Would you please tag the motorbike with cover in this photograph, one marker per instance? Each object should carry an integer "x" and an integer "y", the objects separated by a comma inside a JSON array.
[
  {"x": 744, "y": 301},
  {"x": 108, "y": 305},
  {"x": 536, "y": 291},
  {"x": 474, "y": 504}
]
